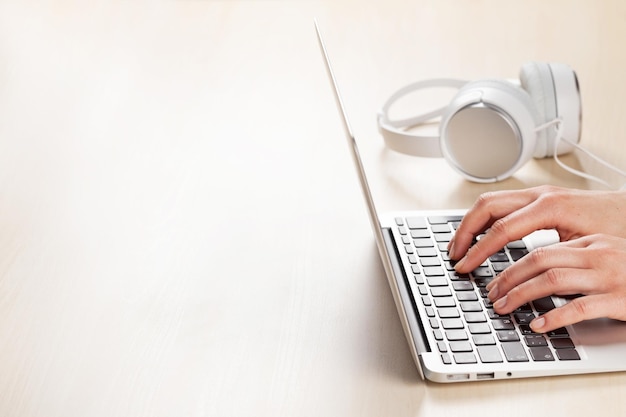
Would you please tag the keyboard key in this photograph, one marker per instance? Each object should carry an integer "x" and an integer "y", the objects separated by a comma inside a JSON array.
[
  {"x": 525, "y": 329},
  {"x": 420, "y": 234},
  {"x": 470, "y": 306},
  {"x": 454, "y": 335},
  {"x": 482, "y": 282},
  {"x": 440, "y": 228},
  {"x": 437, "y": 281},
  {"x": 507, "y": 336},
  {"x": 434, "y": 323},
  {"x": 449, "y": 265},
  {"x": 517, "y": 254},
  {"x": 455, "y": 276},
  {"x": 461, "y": 346},
  {"x": 466, "y": 296},
  {"x": 464, "y": 358},
  {"x": 500, "y": 266},
  {"x": 562, "y": 343},
  {"x": 445, "y": 358},
  {"x": 479, "y": 328},
  {"x": 482, "y": 272},
  {"x": 541, "y": 353},
  {"x": 444, "y": 302},
  {"x": 524, "y": 308},
  {"x": 493, "y": 315},
  {"x": 561, "y": 331},
  {"x": 452, "y": 324},
  {"x": 523, "y": 318},
  {"x": 483, "y": 339},
  {"x": 416, "y": 223},
  {"x": 514, "y": 352},
  {"x": 423, "y": 243},
  {"x": 533, "y": 340},
  {"x": 426, "y": 252},
  {"x": 478, "y": 317},
  {"x": 489, "y": 354},
  {"x": 499, "y": 257},
  {"x": 544, "y": 304},
  {"x": 503, "y": 324},
  {"x": 462, "y": 286},
  {"x": 448, "y": 313},
  {"x": 434, "y": 271},
  {"x": 438, "y": 334},
  {"x": 443, "y": 348},
  {"x": 430, "y": 262},
  {"x": 567, "y": 354},
  {"x": 443, "y": 237},
  {"x": 441, "y": 292}
]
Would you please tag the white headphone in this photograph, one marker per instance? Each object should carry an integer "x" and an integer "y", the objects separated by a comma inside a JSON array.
[{"x": 493, "y": 127}]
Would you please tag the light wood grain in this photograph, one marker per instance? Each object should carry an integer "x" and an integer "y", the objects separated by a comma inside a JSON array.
[{"x": 181, "y": 232}]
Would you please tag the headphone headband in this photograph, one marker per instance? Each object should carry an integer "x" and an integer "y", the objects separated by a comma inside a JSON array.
[
  {"x": 394, "y": 131},
  {"x": 491, "y": 127}
]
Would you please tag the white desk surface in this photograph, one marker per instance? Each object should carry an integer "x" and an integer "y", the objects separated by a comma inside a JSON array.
[{"x": 181, "y": 232}]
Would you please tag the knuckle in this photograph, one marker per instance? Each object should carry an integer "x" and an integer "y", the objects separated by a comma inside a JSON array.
[
  {"x": 580, "y": 307},
  {"x": 484, "y": 200},
  {"x": 501, "y": 228},
  {"x": 539, "y": 256},
  {"x": 515, "y": 295},
  {"x": 553, "y": 278}
]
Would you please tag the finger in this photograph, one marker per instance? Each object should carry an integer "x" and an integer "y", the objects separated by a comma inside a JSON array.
[
  {"x": 559, "y": 281},
  {"x": 579, "y": 309},
  {"x": 514, "y": 226},
  {"x": 488, "y": 207},
  {"x": 540, "y": 262}
]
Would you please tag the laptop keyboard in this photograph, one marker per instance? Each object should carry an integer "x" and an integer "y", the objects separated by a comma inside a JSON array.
[{"x": 466, "y": 328}]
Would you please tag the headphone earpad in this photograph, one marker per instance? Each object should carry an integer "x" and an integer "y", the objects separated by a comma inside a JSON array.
[{"x": 488, "y": 130}]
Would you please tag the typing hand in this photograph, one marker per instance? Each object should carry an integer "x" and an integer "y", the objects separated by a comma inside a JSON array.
[{"x": 588, "y": 223}]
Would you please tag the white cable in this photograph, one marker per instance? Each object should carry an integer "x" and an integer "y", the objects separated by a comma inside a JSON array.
[{"x": 559, "y": 137}]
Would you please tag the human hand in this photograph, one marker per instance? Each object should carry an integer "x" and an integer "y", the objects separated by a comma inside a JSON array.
[
  {"x": 575, "y": 266},
  {"x": 591, "y": 266},
  {"x": 511, "y": 215}
]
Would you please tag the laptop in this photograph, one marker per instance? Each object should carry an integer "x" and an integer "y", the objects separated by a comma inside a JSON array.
[{"x": 453, "y": 333}]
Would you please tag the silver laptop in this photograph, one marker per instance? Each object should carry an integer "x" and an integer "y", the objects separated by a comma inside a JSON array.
[{"x": 453, "y": 332}]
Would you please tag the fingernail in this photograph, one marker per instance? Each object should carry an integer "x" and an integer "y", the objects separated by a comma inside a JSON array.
[
  {"x": 493, "y": 293},
  {"x": 451, "y": 251},
  {"x": 537, "y": 324},
  {"x": 500, "y": 304},
  {"x": 459, "y": 265}
]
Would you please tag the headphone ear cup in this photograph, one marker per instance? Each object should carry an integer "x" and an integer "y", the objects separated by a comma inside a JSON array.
[
  {"x": 554, "y": 90},
  {"x": 488, "y": 130},
  {"x": 536, "y": 79}
]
